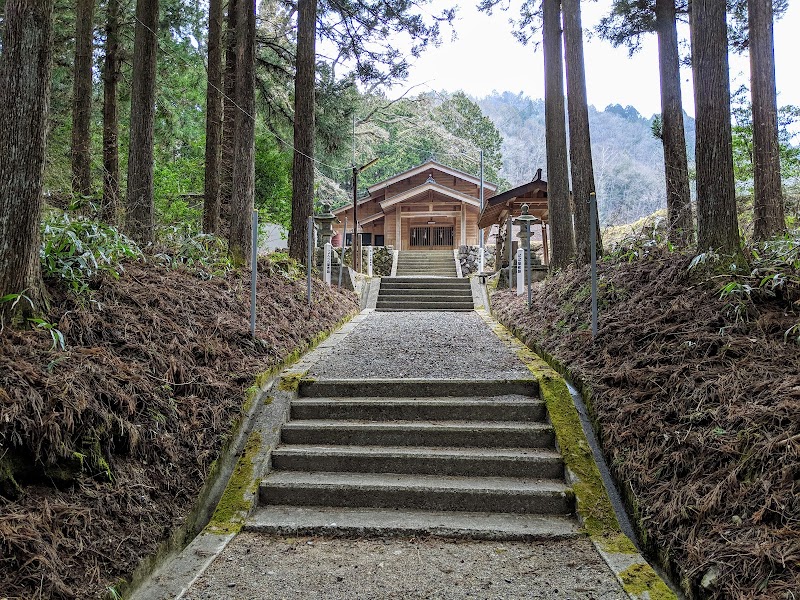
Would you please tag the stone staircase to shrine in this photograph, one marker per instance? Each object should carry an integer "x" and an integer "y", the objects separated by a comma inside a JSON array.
[
  {"x": 430, "y": 263},
  {"x": 415, "y": 457},
  {"x": 424, "y": 293},
  {"x": 425, "y": 281}
]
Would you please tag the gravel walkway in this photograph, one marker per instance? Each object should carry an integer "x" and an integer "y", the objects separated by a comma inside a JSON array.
[
  {"x": 258, "y": 567},
  {"x": 439, "y": 345}
]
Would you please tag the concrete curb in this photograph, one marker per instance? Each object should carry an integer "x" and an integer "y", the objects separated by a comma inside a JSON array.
[
  {"x": 636, "y": 576},
  {"x": 249, "y": 457}
]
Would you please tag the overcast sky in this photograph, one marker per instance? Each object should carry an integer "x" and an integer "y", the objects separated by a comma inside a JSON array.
[{"x": 486, "y": 57}]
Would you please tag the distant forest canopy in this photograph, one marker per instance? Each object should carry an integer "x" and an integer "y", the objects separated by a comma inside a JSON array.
[{"x": 628, "y": 157}]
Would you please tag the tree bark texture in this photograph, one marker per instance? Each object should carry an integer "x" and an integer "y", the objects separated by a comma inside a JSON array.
[
  {"x": 676, "y": 169},
  {"x": 24, "y": 96},
  {"x": 717, "y": 223},
  {"x": 111, "y": 76},
  {"x": 139, "y": 203},
  {"x": 239, "y": 239},
  {"x": 580, "y": 144},
  {"x": 82, "y": 98},
  {"x": 560, "y": 217},
  {"x": 303, "y": 164},
  {"x": 213, "y": 119},
  {"x": 769, "y": 217},
  {"x": 229, "y": 117}
]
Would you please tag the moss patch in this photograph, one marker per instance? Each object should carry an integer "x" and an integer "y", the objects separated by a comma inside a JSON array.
[
  {"x": 235, "y": 503},
  {"x": 290, "y": 382},
  {"x": 640, "y": 578}
]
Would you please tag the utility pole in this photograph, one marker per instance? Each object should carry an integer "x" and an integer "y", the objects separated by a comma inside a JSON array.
[
  {"x": 356, "y": 240},
  {"x": 481, "y": 253}
]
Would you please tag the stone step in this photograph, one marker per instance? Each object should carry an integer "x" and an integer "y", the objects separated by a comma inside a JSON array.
[
  {"x": 371, "y": 522},
  {"x": 423, "y": 264},
  {"x": 491, "y": 408},
  {"x": 403, "y": 272},
  {"x": 472, "y": 434},
  {"x": 424, "y": 291},
  {"x": 422, "y": 280},
  {"x": 451, "y": 310},
  {"x": 474, "y": 462},
  {"x": 424, "y": 305},
  {"x": 424, "y": 492},
  {"x": 426, "y": 286},
  {"x": 416, "y": 388}
]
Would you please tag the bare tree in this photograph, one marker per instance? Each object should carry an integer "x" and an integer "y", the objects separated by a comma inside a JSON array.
[
  {"x": 213, "y": 119},
  {"x": 563, "y": 239},
  {"x": 676, "y": 169},
  {"x": 239, "y": 239},
  {"x": 717, "y": 223},
  {"x": 139, "y": 203},
  {"x": 24, "y": 95},
  {"x": 111, "y": 77},
  {"x": 580, "y": 145},
  {"x": 82, "y": 98},
  {"x": 303, "y": 164},
  {"x": 768, "y": 198}
]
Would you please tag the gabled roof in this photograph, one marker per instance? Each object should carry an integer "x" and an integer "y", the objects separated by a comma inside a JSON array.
[
  {"x": 425, "y": 187},
  {"x": 431, "y": 164},
  {"x": 533, "y": 193}
]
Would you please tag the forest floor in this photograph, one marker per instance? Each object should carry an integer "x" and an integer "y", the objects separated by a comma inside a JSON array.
[
  {"x": 106, "y": 443},
  {"x": 696, "y": 398}
]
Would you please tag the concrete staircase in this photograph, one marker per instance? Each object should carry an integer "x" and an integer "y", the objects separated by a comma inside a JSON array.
[
  {"x": 414, "y": 457},
  {"x": 431, "y": 263},
  {"x": 424, "y": 293}
]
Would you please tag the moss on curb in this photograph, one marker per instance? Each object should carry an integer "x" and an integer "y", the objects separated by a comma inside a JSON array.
[
  {"x": 290, "y": 382},
  {"x": 234, "y": 505},
  {"x": 593, "y": 503},
  {"x": 639, "y": 579}
]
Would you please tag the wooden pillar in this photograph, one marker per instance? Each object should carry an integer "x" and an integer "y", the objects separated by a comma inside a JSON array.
[
  {"x": 545, "y": 250},
  {"x": 463, "y": 218},
  {"x": 398, "y": 227}
]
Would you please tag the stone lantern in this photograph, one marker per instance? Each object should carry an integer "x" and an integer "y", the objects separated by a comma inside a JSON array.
[{"x": 324, "y": 221}]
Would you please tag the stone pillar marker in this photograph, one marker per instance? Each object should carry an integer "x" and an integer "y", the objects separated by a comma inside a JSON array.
[
  {"x": 369, "y": 260},
  {"x": 327, "y": 262},
  {"x": 520, "y": 271}
]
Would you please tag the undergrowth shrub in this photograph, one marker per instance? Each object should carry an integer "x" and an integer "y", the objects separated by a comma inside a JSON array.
[
  {"x": 75, "y": 249},
  {"x": 205, "y": 252}
]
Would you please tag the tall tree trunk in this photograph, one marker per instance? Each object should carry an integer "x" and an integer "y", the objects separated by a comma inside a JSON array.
[
  {"x": 24, "y": 96},
  {"x": 82, "y": 98},
  {"x": 213, "y": 119},
  {"x": 111, "y": 77},
  {"x": 580, "y": 145},
  {"x": 717, "y": 224},
  {"x": 303, "y": 164},
  {"x": 229, "y": 117},
  {"x": 139, "y": 204},
  {"x": 769, "y": 212},
  {"x": 676, "y": 169},
  {"x": 563, "y": 240},
  {"x": 239, "y": 240}
]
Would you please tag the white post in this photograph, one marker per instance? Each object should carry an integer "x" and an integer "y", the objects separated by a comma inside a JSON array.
[
  {"x": 520, "y": 271},
  {"x": 369, "y": 261},
  {"x": 328, "y": 251}
]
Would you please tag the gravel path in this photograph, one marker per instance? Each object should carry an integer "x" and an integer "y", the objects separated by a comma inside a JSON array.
[
  {"x": 439, "y": 345},
  {"x": 257, "y": 567}
]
